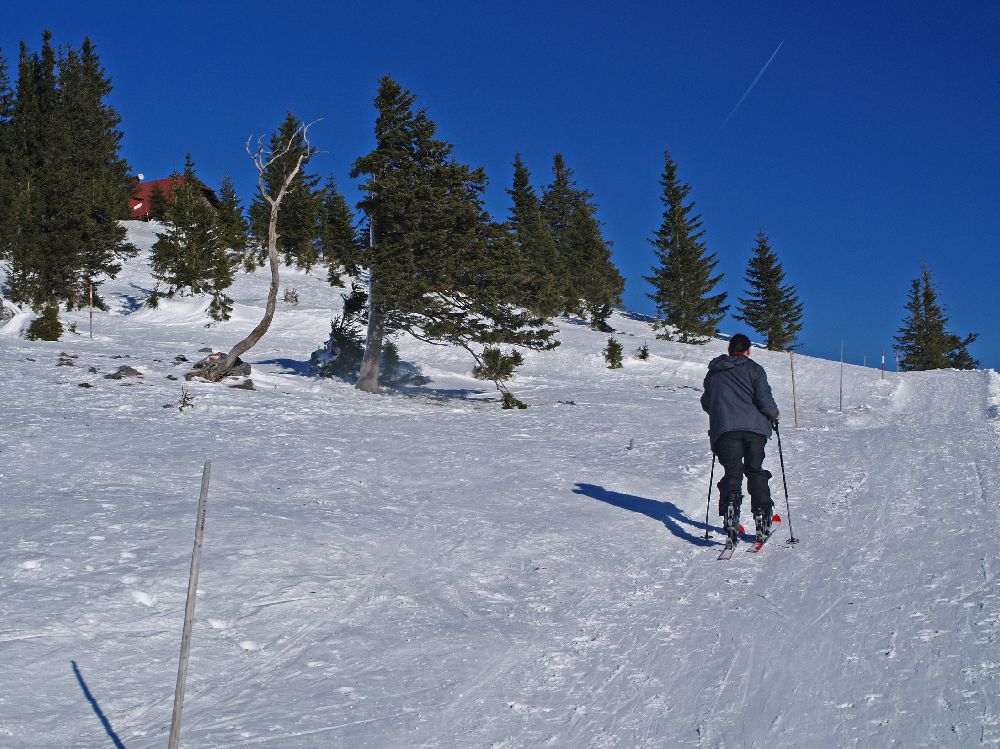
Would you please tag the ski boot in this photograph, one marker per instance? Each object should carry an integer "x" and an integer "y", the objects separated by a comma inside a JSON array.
[
  {"x": 731, "y": 518},
  {"x": 763, "y": 522}
]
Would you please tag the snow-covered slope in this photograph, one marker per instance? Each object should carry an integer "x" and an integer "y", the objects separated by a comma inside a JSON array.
[{"x": 422, "y": 569}]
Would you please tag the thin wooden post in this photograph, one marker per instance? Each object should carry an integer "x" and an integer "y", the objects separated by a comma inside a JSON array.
[
  {"x": 841, "y": 374},
  {"x": 795, "y": 398},
  {"x": 199, "y": 532}
]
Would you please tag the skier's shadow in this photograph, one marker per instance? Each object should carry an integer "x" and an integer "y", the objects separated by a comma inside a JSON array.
[{"x": 666, "y": 512}]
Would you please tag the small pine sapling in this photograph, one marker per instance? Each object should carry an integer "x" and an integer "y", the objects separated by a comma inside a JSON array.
[
  {"x": 643, "y": 352},
  {"x": 496, "y": 365},
  {"x": 47, "y": 326},
  {"x": 499, "y": 367},
  {"x": 613, "y": 353},
  {"x": 389, "y": 362},
  {"x": 291, "y": 296},
  {"x": 341, "y": 355},
  {"x": 509, "y": 401},
  {"x": 187, "y": 400}
]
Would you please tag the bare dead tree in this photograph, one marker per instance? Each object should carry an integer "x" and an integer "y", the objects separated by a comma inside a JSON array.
[{"x": 263, "y": 158}]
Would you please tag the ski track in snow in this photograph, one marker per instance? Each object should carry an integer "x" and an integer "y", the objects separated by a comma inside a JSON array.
[{"x": 421, "y": 569}]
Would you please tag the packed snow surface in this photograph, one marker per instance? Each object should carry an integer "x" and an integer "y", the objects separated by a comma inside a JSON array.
[{"x": 422, "y": 569}]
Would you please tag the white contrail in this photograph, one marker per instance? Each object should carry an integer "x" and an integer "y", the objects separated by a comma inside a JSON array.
[{"x": 750, "y": 88}]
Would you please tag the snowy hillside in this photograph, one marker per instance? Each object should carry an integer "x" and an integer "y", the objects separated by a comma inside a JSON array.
[{"x": 423, "y": 569}]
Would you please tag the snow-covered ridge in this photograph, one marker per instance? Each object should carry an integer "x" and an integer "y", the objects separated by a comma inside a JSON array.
[{"x": 422, "y": 569}]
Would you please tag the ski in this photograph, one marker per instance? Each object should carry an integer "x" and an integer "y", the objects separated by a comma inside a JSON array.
[
  {"x": 758, "y": 545},
  {"x": 730, "y": 547}
]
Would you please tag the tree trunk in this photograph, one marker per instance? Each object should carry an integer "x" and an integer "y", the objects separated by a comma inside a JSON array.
[
  {"x": 217, "y": 371},
  {"x": 368, "y": 379}
]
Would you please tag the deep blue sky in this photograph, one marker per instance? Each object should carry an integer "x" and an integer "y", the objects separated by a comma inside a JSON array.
[{"x": 869, "y": 146}]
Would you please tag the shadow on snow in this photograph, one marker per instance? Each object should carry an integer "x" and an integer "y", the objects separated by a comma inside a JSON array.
[
  {"x": 303, "y": 368},
  {"x": 97, "y": 708},
  {"x": 666, "y": 512}
]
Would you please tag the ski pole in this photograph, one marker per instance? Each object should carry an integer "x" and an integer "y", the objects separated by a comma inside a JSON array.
[
  {"x": 788, "y": 510},
  {"x": 709, "y": 505}
]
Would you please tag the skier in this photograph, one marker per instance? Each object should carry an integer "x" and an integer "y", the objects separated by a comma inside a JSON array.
[{"x": 741, "y": 412}]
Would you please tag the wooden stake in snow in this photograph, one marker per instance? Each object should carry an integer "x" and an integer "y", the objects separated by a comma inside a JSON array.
[
  {"x": 795, "y": 398},
  {"x": 199, "y": 532},
  {"x": 841, "y": 374}
]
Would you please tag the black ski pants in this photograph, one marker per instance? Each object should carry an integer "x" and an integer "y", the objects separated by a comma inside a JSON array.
[{"x": 741, "y": 453}]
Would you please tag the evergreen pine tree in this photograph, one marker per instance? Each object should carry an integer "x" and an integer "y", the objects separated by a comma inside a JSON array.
[
  {"x": 439, "y": 266},
  {"x": 771, "y": 306},
  {"x": 538, "y": 269},
  {"x": 70, "y": 185},
  {"x": 337, "y": 238},
  {"x": 29, "y": 261},
  {"x": 99, "y": 183},
  {"x": 613, "y": 353},
  {"x": 599, "y": 283},
  {"x": 190, "y": 253},
  {"x": 923, "y": 339},
  {"x": 232, "y": 224},
  {"x": 643, "y": 352},
  {"x": 683, "y": 280},
  {"x": 46, "y": 327},
  {"x": 298, "y": 222},
  {"x": 590, "y": 282},
  {"x": 6, "y": 156},
  {"x": 158, "y": 204}
]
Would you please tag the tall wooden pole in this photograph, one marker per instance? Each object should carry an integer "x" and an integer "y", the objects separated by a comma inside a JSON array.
[
  {"x": 841, "y": 374},
  {"x": 795, "y": 398},
  {"x": 199, "y": 532}
]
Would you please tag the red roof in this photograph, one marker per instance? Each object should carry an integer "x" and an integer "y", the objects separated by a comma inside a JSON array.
[{"x": 139, "y": 204}]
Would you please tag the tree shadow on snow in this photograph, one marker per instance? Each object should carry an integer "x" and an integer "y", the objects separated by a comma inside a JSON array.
[
  {"x": 439, "y": 394},
  {"x": 666, "y": 512},
  {"x": 292, "y": 366},
  {"x": 131, "y": 303},
  {"x": 97, "y": 708},
  {"x": 304, "y": 368}
]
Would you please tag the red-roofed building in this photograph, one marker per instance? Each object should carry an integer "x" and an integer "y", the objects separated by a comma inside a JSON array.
[{"x": 140, "y": 203}]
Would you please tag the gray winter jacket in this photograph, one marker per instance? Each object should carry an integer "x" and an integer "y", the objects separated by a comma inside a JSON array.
[{"x": 737, "y": 397}]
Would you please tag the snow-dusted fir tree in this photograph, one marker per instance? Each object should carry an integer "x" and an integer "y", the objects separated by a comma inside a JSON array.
[
  {"x": 539, "y": 267},
  {"x": 923, "y": 338},
  {"x": 190, "y": 254},
  {"x": 771, "y": 306},
  {"x": 439, "y": 268},
  {"x": 683, "y": 282}
]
